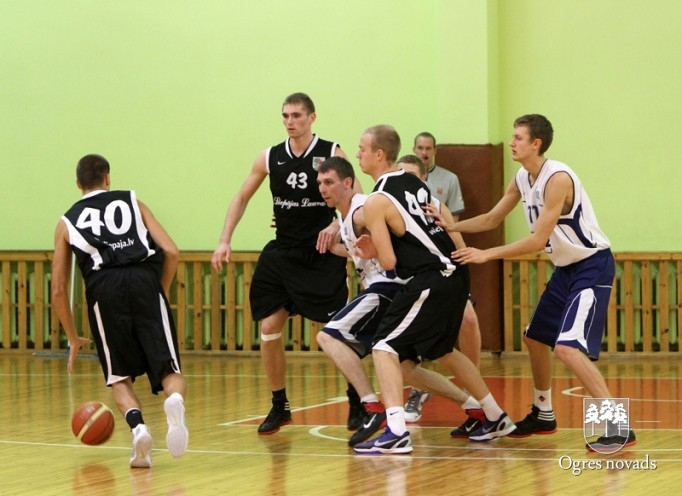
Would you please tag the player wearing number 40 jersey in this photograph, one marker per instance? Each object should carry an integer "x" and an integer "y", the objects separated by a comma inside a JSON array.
[{"x": 128, "y": 262}]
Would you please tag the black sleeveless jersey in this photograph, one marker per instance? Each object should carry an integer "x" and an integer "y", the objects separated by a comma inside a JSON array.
[
  {"x": 424, "y": 246},
  {"x": 106, "y": 230},
  {"x": 300, "y": 212}
]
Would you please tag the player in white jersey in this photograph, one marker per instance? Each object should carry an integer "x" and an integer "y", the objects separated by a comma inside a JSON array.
[
  {"x": 571, "y": 313},
  {"x": 347, "y": 338},
  {"x": 576, "y": 235}
]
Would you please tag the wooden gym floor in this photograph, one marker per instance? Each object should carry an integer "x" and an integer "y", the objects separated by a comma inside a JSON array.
[{"x": 228, "y": 396}]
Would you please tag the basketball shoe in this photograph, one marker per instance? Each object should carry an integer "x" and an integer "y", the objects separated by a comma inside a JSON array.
[
  {"x": 375, "y": 419},
  {"x": 536, "y": 422},
  {"x": 613, "y": 442},
  {"x": 356, "y": 412},
  {"x": 491, "y": 429},
  {"x": 387, "y": 443},
  {"x": 280, "y": 414},
  {"x": 475, "y": 420},
  {"x": 413, "y": 405},
  {"x": 142, "y": 447},
  {"x": 177, "y": 436}
]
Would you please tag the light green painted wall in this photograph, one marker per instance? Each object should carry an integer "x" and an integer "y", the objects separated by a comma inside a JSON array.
[
  {"x": 181, "y": 96},
  {"x": 608, "y": 74},
  {"x": 461, "y": 75}
]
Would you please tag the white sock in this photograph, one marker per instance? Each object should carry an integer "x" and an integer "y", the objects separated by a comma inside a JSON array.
[
  {"x": 543, "y": 400},
  {"x": 490, "y": 407},
  {"x": 177, "y": 395},
  {"x": 471, "y": 404},
  {"x": 370, "y": 398},
  {"x": 395, "y": 418}
]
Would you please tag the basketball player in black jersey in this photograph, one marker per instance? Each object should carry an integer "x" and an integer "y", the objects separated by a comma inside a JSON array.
[
  {"x": 424, "y": 317},
  {"x": 128, "y": 262},
  {"x": 296, "y": 273}
]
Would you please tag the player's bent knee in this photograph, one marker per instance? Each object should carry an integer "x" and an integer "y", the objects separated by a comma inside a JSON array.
[
  {"x": 322, "y": 338},
  {"x": 565, "y": 353}
]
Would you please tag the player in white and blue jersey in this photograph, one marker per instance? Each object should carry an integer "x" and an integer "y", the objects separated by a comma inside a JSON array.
[{"x": 571, "y": 314}]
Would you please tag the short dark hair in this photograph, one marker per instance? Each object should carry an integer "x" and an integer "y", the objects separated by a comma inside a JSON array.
[
  {"x": 425, "y": 134},
  {"x": 340, "y": 165},
  {"x": 91, "y": 171},
  {"x": 539, "y": 127},
  {"x": 385, "y": 138},
  {"x": 413, "y": 159},
  {"x": 300, "y": 99}
]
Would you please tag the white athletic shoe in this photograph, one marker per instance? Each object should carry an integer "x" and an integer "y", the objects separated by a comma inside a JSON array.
[
  {"x": 177, "y": 436},
  {"x": 142, "y": 447},
  {"x": 413, "y": 405}
]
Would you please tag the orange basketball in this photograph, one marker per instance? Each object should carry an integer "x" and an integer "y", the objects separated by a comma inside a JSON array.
[{"x": 93, "y": 423}]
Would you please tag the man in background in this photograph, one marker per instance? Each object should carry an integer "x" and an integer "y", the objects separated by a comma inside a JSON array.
[{"x": 444, "y": 186}]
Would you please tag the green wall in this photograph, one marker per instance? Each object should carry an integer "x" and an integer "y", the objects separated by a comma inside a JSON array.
[
  {"x": 181, "y": 96},
  {"x": 608, "y": 74}
]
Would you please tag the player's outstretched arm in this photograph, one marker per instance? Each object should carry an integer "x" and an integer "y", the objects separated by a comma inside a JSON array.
[
  {"x": 494, "y": 217},
  {"x": 447, "y": 218},
  {"x": 237, "y": 208},
  {"x": 557, "y": 191}
]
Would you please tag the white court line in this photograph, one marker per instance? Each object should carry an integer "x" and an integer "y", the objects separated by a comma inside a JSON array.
[
  {"x": 317, "y": 432},
  {"x": 340, "y": 399},
  {"x": 331, "y": 401},
  {"x": 571, "y": 392},
  {"x": 474, "y": 447}
]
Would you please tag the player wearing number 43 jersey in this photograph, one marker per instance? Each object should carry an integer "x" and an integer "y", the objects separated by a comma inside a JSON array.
[
  {"x": 296, "y": 273},
  {"x": 128, "y": 262}
]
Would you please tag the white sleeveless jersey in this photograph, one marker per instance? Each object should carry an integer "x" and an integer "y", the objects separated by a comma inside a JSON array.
[
  {"x": 577, "y": 235},
  {"x": 370, "y": 271}
]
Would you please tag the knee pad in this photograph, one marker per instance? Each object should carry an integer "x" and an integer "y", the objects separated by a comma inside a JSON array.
[{"x": 270, "y": 337}]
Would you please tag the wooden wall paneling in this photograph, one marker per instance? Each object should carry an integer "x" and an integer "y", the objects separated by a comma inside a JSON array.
[{"x": 481, "y": 177}]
